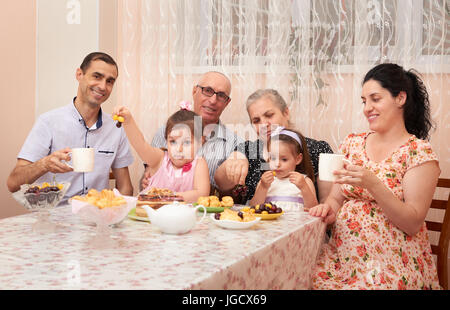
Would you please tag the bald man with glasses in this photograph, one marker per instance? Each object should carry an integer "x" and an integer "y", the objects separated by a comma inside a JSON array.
[{"x": 210, "y": 95}]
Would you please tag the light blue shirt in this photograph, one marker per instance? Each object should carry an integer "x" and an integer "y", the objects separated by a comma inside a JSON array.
[{"x": 64, "y": 127}]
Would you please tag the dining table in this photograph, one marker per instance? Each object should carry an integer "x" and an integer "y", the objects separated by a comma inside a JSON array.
[{"x": 277, "y": 254}]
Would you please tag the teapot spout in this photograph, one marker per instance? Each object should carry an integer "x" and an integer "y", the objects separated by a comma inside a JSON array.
[{"x": 150, "y": 212}]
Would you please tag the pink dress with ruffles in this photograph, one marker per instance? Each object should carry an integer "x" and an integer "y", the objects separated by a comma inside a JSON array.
[{"x": 177, "y": 180}]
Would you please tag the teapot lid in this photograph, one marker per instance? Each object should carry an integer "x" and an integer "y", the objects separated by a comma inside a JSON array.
[{"x": 175, "y": 204}]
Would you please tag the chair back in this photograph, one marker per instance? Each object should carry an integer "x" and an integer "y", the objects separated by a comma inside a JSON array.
[{"x": 441, "y": 249}]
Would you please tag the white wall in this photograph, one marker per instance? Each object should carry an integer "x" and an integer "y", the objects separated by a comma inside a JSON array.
[
  {"x": 67, "y": 31},
  {"x": 17, "y": 88}
]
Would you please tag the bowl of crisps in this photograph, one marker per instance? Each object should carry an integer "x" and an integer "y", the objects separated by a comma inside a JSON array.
[{"x": 104, "y": 207}]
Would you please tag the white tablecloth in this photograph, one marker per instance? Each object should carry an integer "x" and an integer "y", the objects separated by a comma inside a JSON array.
[{"x": 277, "y": 254}]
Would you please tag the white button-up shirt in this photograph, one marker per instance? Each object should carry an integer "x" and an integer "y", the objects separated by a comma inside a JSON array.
[{"x": 64, "y": 127}]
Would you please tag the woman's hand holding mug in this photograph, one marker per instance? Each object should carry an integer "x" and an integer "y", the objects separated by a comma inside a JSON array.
[{"x": 356, "y": 176}]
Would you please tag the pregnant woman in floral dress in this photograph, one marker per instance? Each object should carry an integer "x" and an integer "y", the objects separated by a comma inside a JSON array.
[{"x": 379, "y": 202}]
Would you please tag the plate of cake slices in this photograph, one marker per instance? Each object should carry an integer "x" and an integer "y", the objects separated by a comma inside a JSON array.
[
  {"x": 138, "y": 214},
  {"x": 158, "y": 197}
]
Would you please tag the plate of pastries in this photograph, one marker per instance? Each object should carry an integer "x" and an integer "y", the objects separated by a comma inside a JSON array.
[
  {"x": 214, "y": 204},
  {"x": 231, "y": 219}
]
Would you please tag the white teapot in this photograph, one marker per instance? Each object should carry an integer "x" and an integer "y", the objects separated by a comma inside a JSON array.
[{"x": 175, "y": 218}]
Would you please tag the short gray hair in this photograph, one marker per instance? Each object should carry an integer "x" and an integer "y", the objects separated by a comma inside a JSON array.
[{"x": 274, "y": 96}]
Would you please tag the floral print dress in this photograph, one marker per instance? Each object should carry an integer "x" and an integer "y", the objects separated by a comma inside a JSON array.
[{"x": 366, "y": 251}]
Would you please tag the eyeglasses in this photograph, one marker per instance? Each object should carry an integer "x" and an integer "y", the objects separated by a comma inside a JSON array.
[{"x": 208, "y": 91}]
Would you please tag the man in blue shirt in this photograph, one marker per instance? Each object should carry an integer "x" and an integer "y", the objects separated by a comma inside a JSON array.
[{"x": 80, "y": 124}]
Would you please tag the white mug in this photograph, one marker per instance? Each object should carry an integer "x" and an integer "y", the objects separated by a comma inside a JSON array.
[
  {"x": 328, "y": 163},
  {"x": 82, "y": 159}
]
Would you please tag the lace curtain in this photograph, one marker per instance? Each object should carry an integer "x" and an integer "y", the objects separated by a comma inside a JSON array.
[{"x": 314, "y": 52}]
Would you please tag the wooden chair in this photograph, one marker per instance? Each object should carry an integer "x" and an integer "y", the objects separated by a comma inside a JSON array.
[
  {"x": 441, "y": 250},
  {"x": 112, "y": 180}
]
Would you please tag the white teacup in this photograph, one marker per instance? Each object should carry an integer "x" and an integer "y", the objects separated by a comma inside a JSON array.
[
  {"x": 328, "y": 163},
  {"x": 82, "y": 159}
]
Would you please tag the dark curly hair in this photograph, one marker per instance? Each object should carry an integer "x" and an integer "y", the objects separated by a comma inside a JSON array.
[{"x": 416, "y": 110}]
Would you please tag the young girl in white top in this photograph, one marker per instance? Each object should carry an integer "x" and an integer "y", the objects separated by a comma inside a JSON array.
[
  {"x": 176, "y": 168},
  {"x": 290, "y": 182}
]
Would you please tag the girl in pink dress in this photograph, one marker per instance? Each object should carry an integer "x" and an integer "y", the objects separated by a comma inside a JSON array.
[
  {"x": 176, "y": 168},
  {"x": 379, "y": 202}
]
